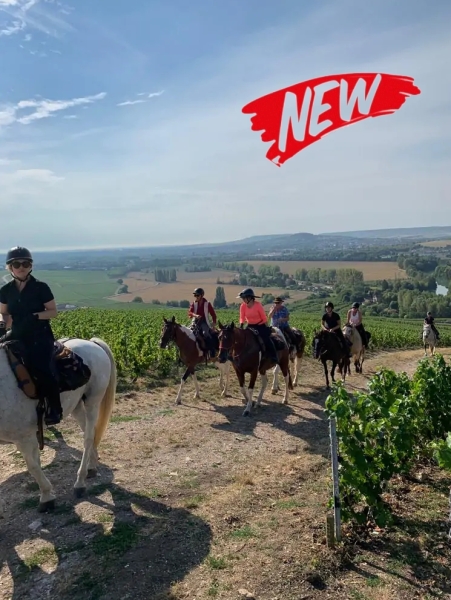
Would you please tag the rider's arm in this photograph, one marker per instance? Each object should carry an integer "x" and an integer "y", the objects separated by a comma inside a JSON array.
[
  {"x": 242, "y": 314},
  {"x": 337, "y": 326},
  {"x": 50, "y": 311},
  {"x": 324, "y": 325}
]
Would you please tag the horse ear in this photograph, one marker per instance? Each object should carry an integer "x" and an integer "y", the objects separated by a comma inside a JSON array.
[
  {"x": 220, "y": 325},
  {"x": 173, "y": 319},
  {"x": 232, "y": 325}
]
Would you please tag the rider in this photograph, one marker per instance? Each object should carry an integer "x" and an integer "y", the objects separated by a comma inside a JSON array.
[
  {"x": 200, "y": 310},
  {"x": 331, "y": 322},
  {"x": 354, "y": 317},
  {"x": 280, "y": 316},
  {"x": 429, "y": 320},
  {"x": 31, "y": 304},
  {"x": 253, "y": 313}
]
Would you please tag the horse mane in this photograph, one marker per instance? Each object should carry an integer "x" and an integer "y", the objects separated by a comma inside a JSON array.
[{"x": 188, "y": 332}]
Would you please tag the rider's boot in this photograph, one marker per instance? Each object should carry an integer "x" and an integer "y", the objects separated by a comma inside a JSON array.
[{"x": 54, "y": 412}]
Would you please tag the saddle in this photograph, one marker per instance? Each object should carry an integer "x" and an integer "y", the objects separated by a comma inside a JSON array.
[
  {"x": 72, "y": 372},
  {"x": 278, "y": 343}
]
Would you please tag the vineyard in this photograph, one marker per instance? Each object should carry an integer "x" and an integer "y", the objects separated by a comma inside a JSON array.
[{"x": 134, "y": 335}]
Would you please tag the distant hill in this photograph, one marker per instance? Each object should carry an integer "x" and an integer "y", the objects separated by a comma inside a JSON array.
[{"x": 400, "y": 233}]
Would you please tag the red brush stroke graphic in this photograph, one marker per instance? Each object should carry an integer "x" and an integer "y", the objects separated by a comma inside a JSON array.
[{"x": 300, "y": 115}]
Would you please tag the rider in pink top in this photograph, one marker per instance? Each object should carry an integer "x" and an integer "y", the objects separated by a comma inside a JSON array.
[{"x": 252, "y": 313}]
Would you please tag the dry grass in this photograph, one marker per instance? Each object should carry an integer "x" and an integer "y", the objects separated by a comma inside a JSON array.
[
  {"x": 437, "y": 244},
  {"x": 144, "y": 285},
  {"x": 196, "y": 501},
  {"x": 371, "y": 270}
]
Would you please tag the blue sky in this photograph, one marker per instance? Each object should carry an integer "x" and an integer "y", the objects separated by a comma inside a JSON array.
[{"x": 121, "y": 123}]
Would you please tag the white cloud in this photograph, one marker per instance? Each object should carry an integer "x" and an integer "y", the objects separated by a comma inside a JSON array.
[
  {"x": 22, "y": 15},
  {"x": 130, "y": 102},
  {"x": 43, "y": 108},
  {"x": 152, "y": 95}
]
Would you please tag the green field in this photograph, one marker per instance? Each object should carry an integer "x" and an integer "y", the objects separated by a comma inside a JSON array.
[
  {"x": 134, "y": 335},
  {"x": 80, "y": 287}
]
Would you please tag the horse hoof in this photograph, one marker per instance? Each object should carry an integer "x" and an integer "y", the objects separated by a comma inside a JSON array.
[
  {"x": 273, "y": 392},
  {"x": 92, "y": 473},
  {"x": 46, "y": 506},
  {"x": 246, "y": 413},
  {"x": 79, "y": 492}
]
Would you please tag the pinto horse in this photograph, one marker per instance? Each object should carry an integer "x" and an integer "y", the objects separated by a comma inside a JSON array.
[
  {"x": 327, "y": 347},
  {"x": 248, "y": 357},
  {"x": 352, "y": 334},
  {"x": 296, "y": 353},
  {"x": 191, "y": 355}
]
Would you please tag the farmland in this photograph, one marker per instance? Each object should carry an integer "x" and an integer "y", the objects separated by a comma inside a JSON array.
[
  {"x": 371, "y": 270},
  {"x": 437, "y": 244},
  {"x": 145, "y": 286}
]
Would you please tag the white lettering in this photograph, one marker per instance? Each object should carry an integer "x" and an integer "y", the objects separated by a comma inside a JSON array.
[
  {"x": 318, "y": 108},
  {"x": 290, "y": 114},
  {"x": 357, "y": 97}
]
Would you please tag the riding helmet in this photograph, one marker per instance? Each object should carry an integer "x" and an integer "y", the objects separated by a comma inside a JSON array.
[
  {"x": 329, "y": 304},
  {"x": 247, "y": 293},
  {"x": 356, "y": 305},
  {"x": 199, "y": 291},
  {"x": 18, "y": 253}
]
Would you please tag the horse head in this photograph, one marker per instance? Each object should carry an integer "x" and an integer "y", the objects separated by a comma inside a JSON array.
[
  {"x": 318, "y": 343},
  {"x": 348, "y": 331},
  {"x": 167, "y": 332},
  {"x": 226, "y": 338}
]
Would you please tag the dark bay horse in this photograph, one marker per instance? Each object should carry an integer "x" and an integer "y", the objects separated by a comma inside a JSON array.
[
  {"x": 327, "y": 347},
  {"x": 191, "y": 355},
  {"x": 297, "y": 347},
  {"x": 247, "y": 356}
]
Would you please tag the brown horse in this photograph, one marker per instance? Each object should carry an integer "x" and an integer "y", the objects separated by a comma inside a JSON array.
[
  {"x": 191, "y": 355},
  {"x": 327, "y": 347},
  {"x": 248, "y": 356},
  {"x": 296, "y": 342}
]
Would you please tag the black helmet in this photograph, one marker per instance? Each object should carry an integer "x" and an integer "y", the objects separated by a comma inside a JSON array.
[
  {"x": 247, "y": 293},
  {"x": 18, "y": 253},
  {"x": 199, "y": 291},
  {"x": 356, "y": 305},
  {"x": 329, "y": 304}
]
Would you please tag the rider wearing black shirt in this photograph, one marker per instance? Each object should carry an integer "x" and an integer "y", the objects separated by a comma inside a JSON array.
[
  {"x": 429, "y": 320},
  {"x": 331, "y": 322},
  {"x": 30, "y": 303}
]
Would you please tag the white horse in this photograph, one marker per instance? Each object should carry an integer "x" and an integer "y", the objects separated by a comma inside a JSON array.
[
  {"x": 296, "y": 354},
  {"x": 352, "y": 334},
  {"x": 429, "y": 339},
  {"x": 91, "y": 405}
]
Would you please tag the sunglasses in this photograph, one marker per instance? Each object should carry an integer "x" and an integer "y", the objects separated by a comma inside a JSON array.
[{"x": 26, "y": 264}]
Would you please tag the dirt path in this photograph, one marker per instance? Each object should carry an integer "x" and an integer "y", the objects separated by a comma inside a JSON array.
[{"x": 193, "y": 501}]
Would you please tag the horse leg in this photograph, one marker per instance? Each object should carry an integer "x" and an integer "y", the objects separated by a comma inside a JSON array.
[
  {"x": 185, "y": 376},
  {"x": 242, "y": 382},
  {"x": 326, "y": 373},
  {"x": 275, "y": 381},
  {"x": 285, "y": 366},
  {"x": 224, "y": 368},
  {"x": 196, "y": 386},
  {"x": 30, "y": 452},
  {"x": 79, "y": 414},
  {"x": 297, "y": 361},
  {"x": 91, "y": 416},
  {"x": 250, "y": 391},
  {"x": 264, "y": 383}
]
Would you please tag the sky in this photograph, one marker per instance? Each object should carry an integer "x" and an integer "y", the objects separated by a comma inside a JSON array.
[{"x": 121, "y": 122}]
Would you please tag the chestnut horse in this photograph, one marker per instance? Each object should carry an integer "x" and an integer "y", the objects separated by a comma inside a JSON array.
[
  {"x": 327, "y": 347},
  {"x": 296, "y": 353},
  {"x": 191, "y": 355},
  {"x": 247, "y": 356}
]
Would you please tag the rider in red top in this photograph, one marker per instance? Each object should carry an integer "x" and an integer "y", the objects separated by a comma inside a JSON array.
[{"x": 201, "y": 309}]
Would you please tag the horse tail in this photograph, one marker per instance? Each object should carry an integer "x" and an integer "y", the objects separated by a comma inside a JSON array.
[{"x": 107, "y": 404}]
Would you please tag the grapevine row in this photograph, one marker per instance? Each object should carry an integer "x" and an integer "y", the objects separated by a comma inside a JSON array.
[{"x": 134, "y": 335}]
